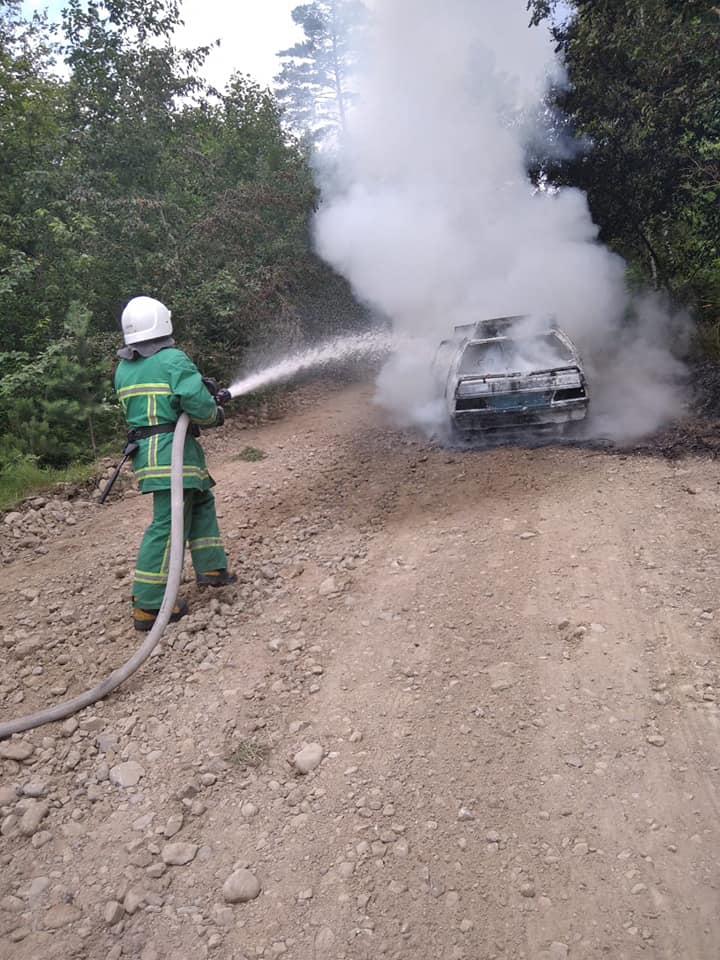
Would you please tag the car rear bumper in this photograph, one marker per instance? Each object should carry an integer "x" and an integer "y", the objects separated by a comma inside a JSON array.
[{"x": 510, "y": 419}]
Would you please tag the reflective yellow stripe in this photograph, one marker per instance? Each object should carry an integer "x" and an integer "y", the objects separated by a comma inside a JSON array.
[
  {"x": 165, "y": 565},
  {"x": 144, "y": 576},
  {"x": 145, "y": 473},
  {"x": 152, "y": 421},
  {"x": 205, "y": 543},
  {"x": 144, "y": 389}
]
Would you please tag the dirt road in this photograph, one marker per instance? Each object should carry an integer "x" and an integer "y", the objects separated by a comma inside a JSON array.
[{"x": 508, "y": 661}]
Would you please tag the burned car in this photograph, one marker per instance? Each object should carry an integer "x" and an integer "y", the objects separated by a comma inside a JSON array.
[{"x": 509, "y": 373}]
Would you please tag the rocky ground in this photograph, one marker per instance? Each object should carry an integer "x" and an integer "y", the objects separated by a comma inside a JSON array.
[{"x": 460, "y": 706}]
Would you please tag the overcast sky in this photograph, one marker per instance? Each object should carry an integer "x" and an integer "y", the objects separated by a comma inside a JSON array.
[{"x": 251, "y": 33}]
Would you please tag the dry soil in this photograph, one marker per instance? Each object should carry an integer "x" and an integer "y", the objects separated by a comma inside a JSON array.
[{"x": 500, "y": 671}]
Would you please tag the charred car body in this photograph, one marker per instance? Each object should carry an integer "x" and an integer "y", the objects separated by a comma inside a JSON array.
[{"x": 509, "y": 373}]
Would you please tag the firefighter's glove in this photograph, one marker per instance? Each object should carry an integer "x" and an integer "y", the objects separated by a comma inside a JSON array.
[{"x": 211, "y": 385}]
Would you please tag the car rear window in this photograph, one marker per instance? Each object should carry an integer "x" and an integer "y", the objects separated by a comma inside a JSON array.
[{"x": 509, "y": 356}]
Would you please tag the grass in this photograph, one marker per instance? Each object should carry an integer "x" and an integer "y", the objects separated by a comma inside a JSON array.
[
  {"x": 251, "y": 454},
  {"x": 249, "y": 753},
  {"x": 23, "y": 479}
]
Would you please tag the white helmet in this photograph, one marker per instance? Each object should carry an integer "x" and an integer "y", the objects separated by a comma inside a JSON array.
[{"x": 145, "y": 319}]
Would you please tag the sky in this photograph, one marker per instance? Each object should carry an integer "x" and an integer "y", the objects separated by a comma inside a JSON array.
[{"x": 251, "y": 33}]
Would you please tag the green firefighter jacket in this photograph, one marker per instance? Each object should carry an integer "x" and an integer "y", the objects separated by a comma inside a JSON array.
[{"x": 157, "y": 389}]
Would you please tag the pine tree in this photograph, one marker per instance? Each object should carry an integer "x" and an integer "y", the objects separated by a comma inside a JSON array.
[
  {"x": 52, "y": 404},
  {"x": 315, "y": 85}
]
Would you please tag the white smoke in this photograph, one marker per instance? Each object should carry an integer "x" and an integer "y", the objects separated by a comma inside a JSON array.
[{"x": 432, "y": 218}]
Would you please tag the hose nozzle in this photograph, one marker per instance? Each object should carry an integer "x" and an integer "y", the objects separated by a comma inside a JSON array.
[{"x": 220, "y": 394}]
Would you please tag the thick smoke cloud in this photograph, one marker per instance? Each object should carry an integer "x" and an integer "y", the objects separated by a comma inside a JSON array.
[{"x": 432, "y": 218}]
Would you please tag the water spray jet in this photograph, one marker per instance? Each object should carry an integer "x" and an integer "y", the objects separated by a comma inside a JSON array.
[{"x": 314, "y": 358}]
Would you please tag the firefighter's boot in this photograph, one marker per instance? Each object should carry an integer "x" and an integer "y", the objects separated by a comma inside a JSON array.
[
  {"x": 144, "y": 620},
  {"x": 215, "y": 578}
]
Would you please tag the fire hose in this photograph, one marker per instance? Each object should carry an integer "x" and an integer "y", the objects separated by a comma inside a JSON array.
[{"x": 123, "y": 673}]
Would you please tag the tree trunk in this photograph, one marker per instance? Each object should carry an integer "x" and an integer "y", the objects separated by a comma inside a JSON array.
[
  {"x": 339, "y": 93},
  {"x": 91, "y": 428},
  {"x": 653, "y": 259}
]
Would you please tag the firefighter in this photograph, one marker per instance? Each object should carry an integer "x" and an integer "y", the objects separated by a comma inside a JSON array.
[{"x": 155, "y": 383}]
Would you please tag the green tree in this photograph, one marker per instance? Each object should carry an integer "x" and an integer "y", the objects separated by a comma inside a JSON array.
[
  {"x": 644, "y": 92},
  {"x": 33, "y": 211},
  {"x": 55, "y": 404},
  {"x": 124, "y": 174},
  {"x": 315, "y": 85},
  {"x": 246, "y": 257},
  {"x": 128, "y": 91}
]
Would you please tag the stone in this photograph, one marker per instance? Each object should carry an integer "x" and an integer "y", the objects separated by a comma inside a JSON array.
[
  {"x": 60, "y": 916},
  {"x": 69, "y": 727},
  {"x": 8, "y": 796},
  {"x": 528, "y": 890},
  {"x": 27, "y": 648},
  {"x": 328, "y": 587},
  {"x": 142, "y": 823},
  {"x": 126, "y": 774},
  {"x": 92, "y": 724},
  {"x": 16, "y": 750},
  {"x": 11, "y": 904},
  {"x": 36, "y": 789},
  {"x": 134, "y": 899},
  {"x": 655, "y": 740},
  {"x": 173, "y": 826},
  {"x": 140, "y": 858},
  {"x": 179, "y": 854},
  {"x": 308, "y": 758},
  {"x": 107, "y": 743},
  {"x": 36, "y": 888},
  {"x": 72, "y": 759},
  {"x": 241, "y": 886},
  {"x": 41, "y": 838},
  {"x": 113, "y": 912},
  {"x": 34, "y": 814}
]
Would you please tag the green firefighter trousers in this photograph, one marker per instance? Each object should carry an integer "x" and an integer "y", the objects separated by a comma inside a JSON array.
[{"x": 201, "y": 534}]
